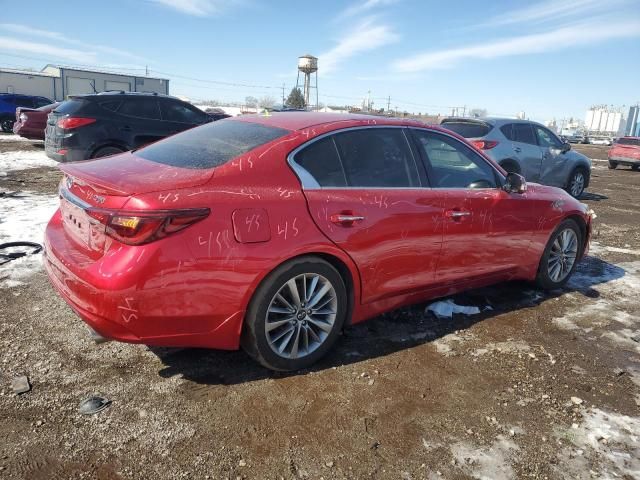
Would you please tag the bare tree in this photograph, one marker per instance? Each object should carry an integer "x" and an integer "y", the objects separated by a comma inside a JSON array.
[
  {"x": 251, "y": 101},
  {"x": 266, "y": 102}
]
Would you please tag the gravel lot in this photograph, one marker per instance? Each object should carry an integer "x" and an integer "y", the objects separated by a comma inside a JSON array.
[{"x": 536, "y": 386}]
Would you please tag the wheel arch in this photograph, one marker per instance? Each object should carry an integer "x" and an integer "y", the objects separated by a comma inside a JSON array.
[
  {"x": 582, "y": 225},
  {"x": 109, "y": 143}
]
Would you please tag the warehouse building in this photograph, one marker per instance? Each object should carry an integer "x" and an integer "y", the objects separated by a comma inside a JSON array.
[{"x": 58, "y": 82}]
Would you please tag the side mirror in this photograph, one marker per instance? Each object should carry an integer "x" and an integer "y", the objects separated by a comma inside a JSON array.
[
  {"x": 515, "y": 183},
  {"x": 566, "y": 146}
]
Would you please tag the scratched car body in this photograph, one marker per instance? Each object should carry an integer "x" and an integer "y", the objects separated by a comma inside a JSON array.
[{"x": 275, "y": 232}]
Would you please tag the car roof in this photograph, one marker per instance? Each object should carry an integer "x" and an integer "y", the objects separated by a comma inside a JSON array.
[
  {"x": 302, "y": 120},
  {"x": 119, "y": 94},
  {"x": 493, "y": 121}
]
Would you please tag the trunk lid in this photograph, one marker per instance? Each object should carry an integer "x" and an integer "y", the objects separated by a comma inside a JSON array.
[{"x": 128, "y": 174}]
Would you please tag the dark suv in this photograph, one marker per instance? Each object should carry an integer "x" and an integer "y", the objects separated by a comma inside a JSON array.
[
  {"x": 91, "y": 126},
  {"x": 10, "y": 101}
]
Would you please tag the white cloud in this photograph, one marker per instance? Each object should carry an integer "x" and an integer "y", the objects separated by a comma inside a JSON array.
[
  {"x": 25, "y": 30},
  {"x": 198, "y": 8},
  {"x": 364, "y": 7},
  {"x": 550, "y": 10},
  {"x": 368, "y": 35},
  {"x": 573, "y": 35},
  {"x": 15, "y": 45}
]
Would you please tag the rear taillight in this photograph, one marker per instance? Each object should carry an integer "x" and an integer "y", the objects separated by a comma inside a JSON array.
[
  {"x": 140, "y": 227},
  {"x": 484, "y": 144},
  {"x": 67, "y": 123}
]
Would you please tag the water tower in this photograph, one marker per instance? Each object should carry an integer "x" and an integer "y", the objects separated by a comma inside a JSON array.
[{"x": 308, "y": 66}]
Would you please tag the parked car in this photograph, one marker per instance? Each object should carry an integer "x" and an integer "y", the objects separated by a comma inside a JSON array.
[
  {"x": 103, "y": 124},
  {"x": 10, "y": 101},
  {"x": 527, "y": 148},
  {"x": 216, "y": 113},
  {"x": 275, "y": 232},
  {"x": 578, "y": 137},
  {"x": 31, "y": 122},
  {"x": 600, "y": 141},
  {"x": 625, "y": 151}
]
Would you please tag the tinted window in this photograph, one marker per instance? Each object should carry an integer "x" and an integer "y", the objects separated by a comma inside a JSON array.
[
  {"x": 179, "y": 112},
  {"x": 321, "y": 160},
  {"x": 210, "y": 145},
  {"x": 377, "y": 157},
  {"x": 628, "y": 141},
  {"x": 522, "y": 132},
  {"x": 24, "y": 102},
  {"x": 546, "y": 138},
  {"x": 111, "y": 106},
  {"x": 468, "y": 129},
  {"x": 141, "y": 108},
  {"x": 507, "y": 130},
  {"x": 453, "y": 164},
  {"x": 41, "y": 102},
  {"x": 70, "y": 106}
]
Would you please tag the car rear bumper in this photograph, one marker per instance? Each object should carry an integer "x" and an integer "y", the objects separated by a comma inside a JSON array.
[
  {"x": 28, "y": 132},
  {"x": 64, "y": 154},
  {"x": 625, "y": 160},
  {"x": 117, "y": 299}
]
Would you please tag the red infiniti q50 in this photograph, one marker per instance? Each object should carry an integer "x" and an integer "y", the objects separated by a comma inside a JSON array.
[{"x": 275, "y": 232}]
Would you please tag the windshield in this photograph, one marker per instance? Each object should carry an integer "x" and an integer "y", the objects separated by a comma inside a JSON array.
[
  {"x": 468, "y": 129},
  {"x": 629, "y": 141},
  {"x": 210, "y": 145}
]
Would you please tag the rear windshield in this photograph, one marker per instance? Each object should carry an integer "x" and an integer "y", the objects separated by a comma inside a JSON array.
[
  {"x": 628, "y": 141},
  {"x": 210, "y": 145},
  {"x": 468, "y": 129},
  {"x": 69, "y": 106}
]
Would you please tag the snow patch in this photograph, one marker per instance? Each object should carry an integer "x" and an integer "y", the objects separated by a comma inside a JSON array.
[
  {"x": 23, "y": 159},
  {"x": 24, "y": 219},
  {"x": 14, "y": 138},
  {"x": 486, "y": 463},
  {"x": 446, "y": 309},
  {"x": 612, "y": 440}
]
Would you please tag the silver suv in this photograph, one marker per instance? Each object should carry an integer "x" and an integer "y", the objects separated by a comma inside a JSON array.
[{"x": 527, "y": 148}]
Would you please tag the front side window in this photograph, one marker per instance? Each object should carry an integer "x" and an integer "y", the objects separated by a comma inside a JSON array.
[
  {"x": 141, "y": 108},
  {"x": 377, "y": 157},
  {"x": 177, "y": 112},
  {"x": 547, "y": 139},
  {"x": 210, "y": 145},
  {"x": 453, "y": 164},
  {"x": 523, "y": 133},
  {"x": 321, "y": 161}
]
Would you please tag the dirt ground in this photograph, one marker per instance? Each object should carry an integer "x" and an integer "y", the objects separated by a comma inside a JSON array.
[{"x": 535, "y": 386}]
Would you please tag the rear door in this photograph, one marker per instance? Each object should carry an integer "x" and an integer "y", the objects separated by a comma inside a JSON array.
[
  {"x": 485, "y": 228},
  {"x": 139, "y": 121},
  {"x": 525, "y": 148},
  {"x": 178, "y": 116},
  {"x": 365, "y": 192}
]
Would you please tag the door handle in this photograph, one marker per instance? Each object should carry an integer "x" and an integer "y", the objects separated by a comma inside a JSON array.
[
  {"x": 345, "y": 219},
  {"x": 517, "y": 149},
  {"x": 457, "y": 214}
]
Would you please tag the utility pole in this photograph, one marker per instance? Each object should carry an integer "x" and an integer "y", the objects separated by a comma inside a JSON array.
[
  {"x": 283, "y": 94},
  {"x": 146, "y": 70},
  {"x": 388, "y": 102}
]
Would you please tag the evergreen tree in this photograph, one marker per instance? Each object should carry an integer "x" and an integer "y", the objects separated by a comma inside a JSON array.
[{"x": 295, "y": 99}]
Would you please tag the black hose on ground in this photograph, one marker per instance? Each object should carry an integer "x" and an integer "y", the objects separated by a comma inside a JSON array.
[{"x": 7, "y": 257}]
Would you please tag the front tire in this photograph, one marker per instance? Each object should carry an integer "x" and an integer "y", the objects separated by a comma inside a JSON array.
[
  {"x": 560, "y": 256},
  {"x": 295, "y": 315},
  {"x": 612, "y": 165},
  {"x": 6, "y": 125},
  {"x": 577, "y": 181}
]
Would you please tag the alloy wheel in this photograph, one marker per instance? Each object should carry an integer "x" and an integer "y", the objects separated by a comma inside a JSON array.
[
  {"x": 562, "y": 255},
  {"x": 301, "y": 315},
  {"x": 577, "y": 184}
]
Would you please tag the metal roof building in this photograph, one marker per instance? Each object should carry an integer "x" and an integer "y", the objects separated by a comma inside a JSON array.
[{"x": 58, "y": 82}]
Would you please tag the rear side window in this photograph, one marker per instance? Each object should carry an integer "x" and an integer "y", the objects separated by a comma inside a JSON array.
[
  {"x": 507, "y": 131},
  {"x": 522, "y": 132},
  {"x": 377, "y": 157},
  {"x": 468, "y": 129},
  {"x": 111, "y": 106},
  {"x": 210, "y": 145},
  {"x": 321, "y": 160},
  {"x": 70, "y": 106},
  {"x": 178, "y": 112},
  {"x": 628, "y": 141},
  {"x": 141, "y": 108}
]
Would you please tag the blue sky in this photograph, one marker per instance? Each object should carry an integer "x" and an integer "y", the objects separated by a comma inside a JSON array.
[{"x": 548, "y": 58}]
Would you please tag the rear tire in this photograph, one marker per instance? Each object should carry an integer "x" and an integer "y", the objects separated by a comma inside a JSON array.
[
  {"x": 635, "y": 168},
  {"x": 612, "y": 165},
  {"x": 6, "y": 124},
  {"x": 106, "y": 151},
  {"x": 560, "y": 256},
  {"x": 290, "y": 323},
  {"x": 576, "y": 183}
]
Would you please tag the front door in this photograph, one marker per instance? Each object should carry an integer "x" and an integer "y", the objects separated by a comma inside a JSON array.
[
  {"x": 365, "y": 192},
  {"x": 525, "y": 149},
  {"x": 553, "y": 158},
  {"x": 484, "y": 226}
]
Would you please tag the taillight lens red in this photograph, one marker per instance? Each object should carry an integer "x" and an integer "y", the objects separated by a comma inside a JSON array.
[
  {"x": 484, "y": 144},
  {"x": 140, "y": 227},
  {"x": 67, "y": 123}
]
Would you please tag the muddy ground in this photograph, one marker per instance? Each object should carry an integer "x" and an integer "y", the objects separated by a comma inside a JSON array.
[{"x": 536, "y": 386}]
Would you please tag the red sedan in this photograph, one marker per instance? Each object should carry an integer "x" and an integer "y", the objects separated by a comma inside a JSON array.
[
  {"x": 273, "y": 233},
  {"x": 31, "y": 122},
  {"x": 625, "y": 151}
]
